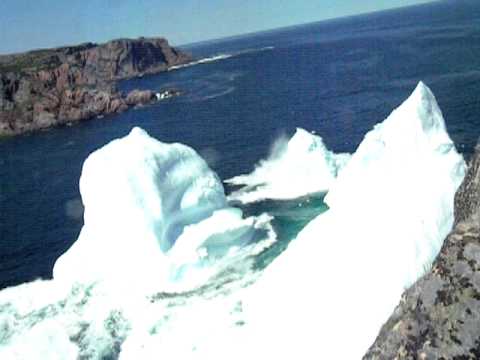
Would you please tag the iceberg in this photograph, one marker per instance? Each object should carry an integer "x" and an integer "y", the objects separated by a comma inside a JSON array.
[
  {"x": 141, "y": 197},
  {"x": 390, "y": 209},
  {"x": 156, "y": 214},
  {"x": 299, "y": 167}
]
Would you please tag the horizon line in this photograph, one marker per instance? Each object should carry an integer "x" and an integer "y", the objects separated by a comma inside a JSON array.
[
  {"x": 287, "y": 27},
  {"x": 229, "y": 37}
]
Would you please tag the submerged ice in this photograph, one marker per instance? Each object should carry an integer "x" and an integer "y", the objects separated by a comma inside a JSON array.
[
  {"x": 156, "y": 214},
  {"x": 301, "y": 166}
]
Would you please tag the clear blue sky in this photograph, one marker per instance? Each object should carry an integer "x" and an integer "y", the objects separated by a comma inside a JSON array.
[{"x": 28, "y": 24}]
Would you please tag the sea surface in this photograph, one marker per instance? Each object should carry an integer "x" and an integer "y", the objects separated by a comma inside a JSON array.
[{"x": 337, "y": 78}]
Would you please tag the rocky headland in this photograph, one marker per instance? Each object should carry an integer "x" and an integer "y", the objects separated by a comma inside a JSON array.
[
  {"x": 44, "y": 88},
  {"x": 439, "y": 316}
]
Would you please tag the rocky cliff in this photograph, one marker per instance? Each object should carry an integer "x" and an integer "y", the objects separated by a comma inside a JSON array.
[
  {"x": 439, "y": 316},
  {"x": 42, "y": 88}
]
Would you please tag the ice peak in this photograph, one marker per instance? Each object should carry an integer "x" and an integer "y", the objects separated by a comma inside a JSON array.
[
  {"x": 137, "y": 131},
  {"x": 301, "y": 132},
  {"x": 303, "y": 140},
  {"x": 415, "y": 130},
  {"x": 421, "y": 97},
  {"x": 423, "y": 107},
  {"x": 418, "y": 121},
  {"x": 423, "y": 90}
]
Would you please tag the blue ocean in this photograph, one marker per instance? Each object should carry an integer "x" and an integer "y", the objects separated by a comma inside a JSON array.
[{"x": 337, "y": 78}]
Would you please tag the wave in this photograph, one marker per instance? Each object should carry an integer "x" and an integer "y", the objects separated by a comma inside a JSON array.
[
  {"x": 219, "y": 57},
  {"x": 202, "y": 61},
  {"x": 215, "y": 95}
]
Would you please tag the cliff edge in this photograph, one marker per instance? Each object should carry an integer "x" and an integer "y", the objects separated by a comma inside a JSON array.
[{"x": 42, "y": 88}]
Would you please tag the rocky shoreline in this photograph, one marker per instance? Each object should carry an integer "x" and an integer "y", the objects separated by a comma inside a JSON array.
[{"x": 44, "y": 88}]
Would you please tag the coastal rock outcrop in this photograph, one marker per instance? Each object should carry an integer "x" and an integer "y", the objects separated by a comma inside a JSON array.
[
  {"x": 123, "y": 58},
  {"x": 42, "y": 88},
  {"x": 136, "y": 97},
  {"x": 439, "y": 316}
]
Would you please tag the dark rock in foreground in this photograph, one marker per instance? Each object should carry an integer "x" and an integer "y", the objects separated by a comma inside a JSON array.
[
  {"x": 439, "y": 316},
  {"x": 42, "y": 88}
]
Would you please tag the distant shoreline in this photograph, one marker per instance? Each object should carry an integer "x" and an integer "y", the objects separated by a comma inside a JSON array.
[{"x": 44, "y": 88}]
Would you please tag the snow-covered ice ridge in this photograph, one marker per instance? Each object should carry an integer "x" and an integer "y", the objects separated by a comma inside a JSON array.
[
  {"x": 390, "y": 209},
  {"x": 156, "y": 215}
]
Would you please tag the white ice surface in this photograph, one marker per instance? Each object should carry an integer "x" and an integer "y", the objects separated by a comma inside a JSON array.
[
  {"x": 301, "y": 166},
  {"x": 325, "y": 297},
  {"x": 140, "y": 197},
  {"x": 390, "y": 210}
]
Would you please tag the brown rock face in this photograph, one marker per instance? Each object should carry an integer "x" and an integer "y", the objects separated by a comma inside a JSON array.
[
  {"x": 439, "y": 316},
  {"x": 43, "y": 88},
  {"x": 120, "y": 59},
  {"x": 140, "y": 97}
]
